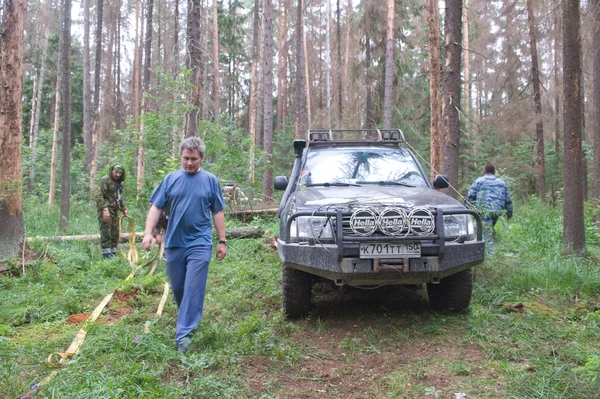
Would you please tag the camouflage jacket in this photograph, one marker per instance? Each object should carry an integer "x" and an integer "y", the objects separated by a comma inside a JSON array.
[
  {"x": 488, "y": 194},
  {"x": 109, "y": 196}
]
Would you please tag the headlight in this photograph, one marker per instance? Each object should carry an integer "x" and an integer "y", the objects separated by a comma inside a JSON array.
[
  {"x": 315, "y": 227},
  {"x": 459, "y": 227}
]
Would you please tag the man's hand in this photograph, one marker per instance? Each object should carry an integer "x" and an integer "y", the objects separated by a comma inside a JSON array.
[
  {"x": 221, "y": 251},
  {"x": 105, "y": 215},
  {"x": 125, "y": 213},
  {"x": 148, "y": 242}
]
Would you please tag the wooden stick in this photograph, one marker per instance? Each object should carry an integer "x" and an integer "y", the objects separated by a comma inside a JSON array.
[{"x": 237, "y": 232}]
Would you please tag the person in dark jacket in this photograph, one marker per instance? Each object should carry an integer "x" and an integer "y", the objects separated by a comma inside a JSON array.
[
  {"x": 490, "y": 196},
  {"x": 109, "y": 202}
]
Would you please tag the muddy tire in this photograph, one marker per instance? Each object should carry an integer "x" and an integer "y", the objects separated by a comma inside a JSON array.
[
  {"x": 297, "y": 287},
  {"x": 452, "y": 293}
]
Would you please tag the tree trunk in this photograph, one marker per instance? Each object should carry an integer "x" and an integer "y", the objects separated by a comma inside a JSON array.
[
  {"x": 195, "y": 60},
  {"x": 466, "y": 61},
  {"x": 96, "y": 121},
  {"x": 259, "y": 86},
  {"x": 573, "y": 222},
  {"x": 537, "y": 99},
  {"x": 65, "y": 178},
  {"x": 141, "y": 165},
  {"x": 338, "y": 64},
  {"x": 557, "y": 29},
  {"x": 176, "y": 37},
  {"x": 328, "y": 63},
  {"x": 346, "y": 61},
  {"x": 389, "y": 67},
  {"x": 87, "y": 128},
  {"x": 282, "y": 33},
  {"x": 35, "y": 85},
  {"x": 205, "y": 94},
  {"x": 306, "y": 79},
  {"x": 434, "y": 86},
  {"x": 215, "y": 92},
  {"x": 370, "y": 122},
  {"x": 36, "y": 111},
  {"x": 12, "y": 230},
  {"x": 57, "y": 106},
  {"x": 451, "y": 92},
  {"x": 301, "y": 101},
  {"x": 595, "y": 8},
  {"x": 137, "y": 56},
  {"x": 252, "y": 114},
  {"x": 118, "y": 100},
  {"x": 268, "y": 98}
]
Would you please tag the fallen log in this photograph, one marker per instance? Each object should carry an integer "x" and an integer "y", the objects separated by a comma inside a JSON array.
[
  {"x": 246, "y": 215},
  {"x": 232, "y": 233}
]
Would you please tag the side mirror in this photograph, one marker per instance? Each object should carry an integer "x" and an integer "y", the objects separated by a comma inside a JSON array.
[
  {"x": 441, "y": 181},
  {"x": 280, "y": 183}
]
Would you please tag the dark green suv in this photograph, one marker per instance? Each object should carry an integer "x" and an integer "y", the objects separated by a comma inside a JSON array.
[{"x": 358, "y": 210}]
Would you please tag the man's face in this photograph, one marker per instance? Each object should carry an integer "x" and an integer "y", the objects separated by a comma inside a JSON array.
[
  {"x": 191, "y": 160},
  {"x": 116, "y": 175}
]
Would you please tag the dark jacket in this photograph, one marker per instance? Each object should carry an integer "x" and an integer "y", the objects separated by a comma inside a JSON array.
[
  {"x": 109, "y": 193},
  {"x": 490, "y": 194}
]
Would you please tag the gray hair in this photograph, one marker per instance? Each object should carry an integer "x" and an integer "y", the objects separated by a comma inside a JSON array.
[{"x": 191, "y": 144}]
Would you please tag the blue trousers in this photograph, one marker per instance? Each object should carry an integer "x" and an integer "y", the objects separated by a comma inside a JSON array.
[{"x": 188, "y": 271}]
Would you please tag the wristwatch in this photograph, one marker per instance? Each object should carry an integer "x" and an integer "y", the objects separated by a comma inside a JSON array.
[{"x": 223, "y": 242}]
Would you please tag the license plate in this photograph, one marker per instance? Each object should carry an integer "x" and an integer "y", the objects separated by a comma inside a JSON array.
[{"x": 390, "y": 250}]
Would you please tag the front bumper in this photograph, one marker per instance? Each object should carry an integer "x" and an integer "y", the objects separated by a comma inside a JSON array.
[
  {"x": 322, "y": 260},
  {"x": 340, "y": 261}
]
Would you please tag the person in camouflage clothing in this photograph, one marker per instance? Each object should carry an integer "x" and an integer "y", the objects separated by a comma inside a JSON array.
[
  {"x": 109, "y": 202},
  {"x": 491, "y": 198}
]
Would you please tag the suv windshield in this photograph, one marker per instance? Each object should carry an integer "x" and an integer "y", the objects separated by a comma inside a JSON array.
[{"x": 362, "y": 165}]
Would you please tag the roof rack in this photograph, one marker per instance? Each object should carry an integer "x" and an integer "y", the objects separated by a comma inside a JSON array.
[{"x": 357, "y": 135}]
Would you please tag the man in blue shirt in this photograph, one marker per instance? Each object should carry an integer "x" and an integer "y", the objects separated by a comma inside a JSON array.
[
  {"x": 491, "y": 197},
  {"x": 192, "y": 195}
]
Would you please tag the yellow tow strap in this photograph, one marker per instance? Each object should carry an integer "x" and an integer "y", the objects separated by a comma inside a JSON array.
[{"x": 132, "y": 254}]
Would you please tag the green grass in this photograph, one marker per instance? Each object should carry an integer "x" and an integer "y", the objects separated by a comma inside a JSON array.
[{"x": 550, "y": 350}]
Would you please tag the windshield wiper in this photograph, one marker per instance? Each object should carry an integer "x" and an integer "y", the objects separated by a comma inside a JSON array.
[
  {"x": 387, "y": 183},
  {"x": 333, "y": 184}
]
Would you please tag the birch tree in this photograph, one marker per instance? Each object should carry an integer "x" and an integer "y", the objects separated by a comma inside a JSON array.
[{"x": 56, "y": 128}]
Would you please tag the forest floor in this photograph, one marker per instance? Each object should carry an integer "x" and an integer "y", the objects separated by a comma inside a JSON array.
[
  {"x": 531, "y": 331},
  {"x": 361, "y": 345}
]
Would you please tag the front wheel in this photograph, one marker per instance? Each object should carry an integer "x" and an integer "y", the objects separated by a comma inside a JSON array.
[
  {"x": 453, "y": 292},
  {"x": 297, "y": 288}
]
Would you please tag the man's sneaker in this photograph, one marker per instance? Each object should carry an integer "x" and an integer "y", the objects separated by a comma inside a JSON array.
[{"x": 184, "y": 345}]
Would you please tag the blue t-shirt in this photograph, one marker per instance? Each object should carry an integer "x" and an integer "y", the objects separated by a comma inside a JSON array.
[{"x": 192, "y": 198}]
